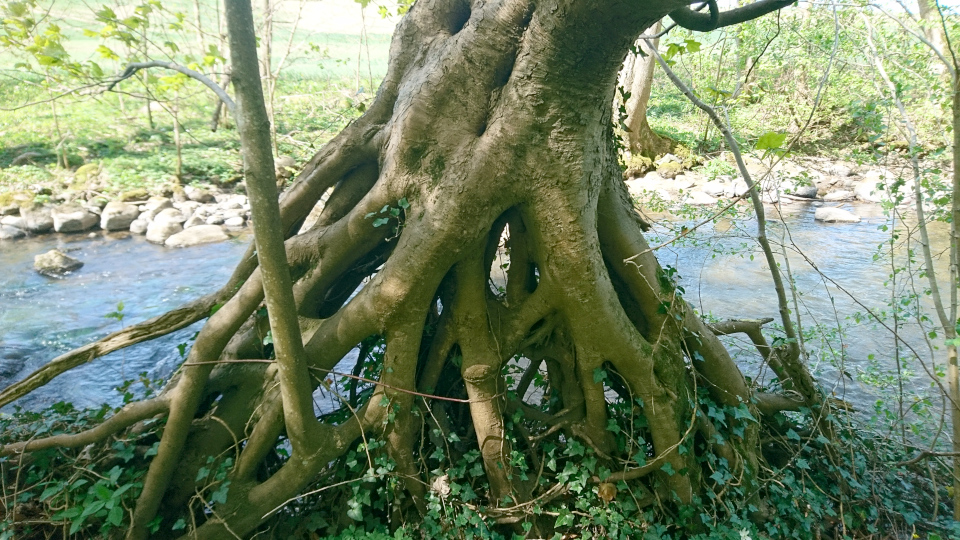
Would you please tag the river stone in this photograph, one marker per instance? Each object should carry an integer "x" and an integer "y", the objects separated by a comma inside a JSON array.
[
  {"x": 868, "y": 191},
  {"x": 699, "y": 198},
  {"x": 55, "y": 263},
  {"x": 737, "y": 188},
  {"x": 36, "y": 219},
  {"x": 194, "y": 221},
  {"x": 832, "y": 214},
  {"x": 139, "y": 226},
  {"x": 236, "y": 221},
  {"x": 12, "y": 221},
  {"x": 839, "y": 195},
  {"x": 713, "y": 188},
  {"x": 167, "y": 223},
  {"x": 118, "y": 215},
  {"x": 10, "y": 233},
  {"x": 154, "y": 206},
  {"x": 70, "y": 218},
  {"x": 683, "y": 181},
  {"x": 807, "y": 192},
  {"x": 201, "y": 196},
  {"x": 216, "y": 219},
  {"x": 9, "y": 210},
  {"x": 839, "y": 169},
  {"x": 201, "y": 234},
  {"x": 283, "y": 164}
]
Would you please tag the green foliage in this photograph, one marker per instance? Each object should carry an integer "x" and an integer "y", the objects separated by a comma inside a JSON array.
[{"x": 87, "y": 492}]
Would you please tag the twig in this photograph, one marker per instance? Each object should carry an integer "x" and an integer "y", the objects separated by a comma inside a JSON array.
[{"x": 134, "y": 67}]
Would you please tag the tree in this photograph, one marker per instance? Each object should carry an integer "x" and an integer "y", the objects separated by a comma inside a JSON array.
[
  {"x": 638, "y": 81},
  {"x": 490, "y": 139}
]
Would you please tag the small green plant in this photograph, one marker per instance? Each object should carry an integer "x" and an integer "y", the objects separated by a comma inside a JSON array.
[{"x": 390, "y": 214}]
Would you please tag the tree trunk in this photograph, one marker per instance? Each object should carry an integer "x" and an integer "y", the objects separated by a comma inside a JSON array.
[
  {"x": 490, "y": 139},
  {"x": 638, "y": 80}
]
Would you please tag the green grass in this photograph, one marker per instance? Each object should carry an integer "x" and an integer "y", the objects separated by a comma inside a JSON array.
[{"x": 309, "y": 111}]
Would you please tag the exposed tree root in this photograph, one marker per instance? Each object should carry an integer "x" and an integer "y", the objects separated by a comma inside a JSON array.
[{"x": 452, "y": 254}]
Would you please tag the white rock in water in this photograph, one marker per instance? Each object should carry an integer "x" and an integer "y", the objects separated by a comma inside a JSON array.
[
  {"x": 699, "y": 198},
  {"x": 10, "y": 233},
  {"x": 117, "y": 216},
  {"x": 36, "y": 219},
  {"x": 713, "y": 188},
  {"x": 236, "y": 221},
  {"x": 71, "y": 218},
  {"x": 154, "y": 206},
  {"x": 139, "y": 226},
  {"x": 807, "y": 192},
  {"x": 868, "y": 191},
  {"x": 12, "y": 221},
  {"x": 55, "y": 263},
  {"x": 841, "y": 195},
  {"x": 832, "y": 214},
  {"x": 200, "y": 234},
  {"x": 194, "y": 221},
  {"x": 167, "y": 223}
]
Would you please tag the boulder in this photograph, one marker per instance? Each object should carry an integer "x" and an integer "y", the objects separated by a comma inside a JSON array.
[
  {"x": 832, "y": 214},
  {"x": 36, "y": 219},
  {"x": 215, "y": 219},
  {"x": 713, "y": 188},
  {"x": 236, "y": 221},
  {"x": 167, "y": 223},
  {"x": 55, "y": 263},
  {"x": 699, "y": 198},
  {"x": 839, "y": 195},
  {"x": 12, "y": 221},
  {"x": 70, "y": 218},
  {"x": 807, "y": 192},
  {"x": 669, "y": 169},
  {"x": 187, "y": 208},
  {"x": 868, "y": 191},
  {"x": 839, "y": 169},
  {"x": 201, "y": 196},
  {"x": 139, "y": 226},
  {"x": 737, "y": 188},
  {"x": 117, "y": 216},
  {"x": 195, "y": 220},
  {"x": 10, "y": 210},
  {"x": 283, "y": 166},
  {"x": 683, "y": 181},
  {"x": 201, "y": 234},
  {"x": 154, "y": 206},
  {"x": 10, "y": 233}
]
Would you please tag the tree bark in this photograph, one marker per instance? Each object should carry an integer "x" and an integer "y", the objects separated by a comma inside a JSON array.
[
  {"x": 490, "y": 139},
  {"x": 638, "y": 81}
]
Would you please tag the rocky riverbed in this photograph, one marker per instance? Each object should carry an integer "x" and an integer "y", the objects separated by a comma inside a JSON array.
[{"x": 797, "y": 180}]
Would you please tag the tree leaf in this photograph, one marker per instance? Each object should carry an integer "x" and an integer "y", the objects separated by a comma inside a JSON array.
[{"x": 770, "y": 140}]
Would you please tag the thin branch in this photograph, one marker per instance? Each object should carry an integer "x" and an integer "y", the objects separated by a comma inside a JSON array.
[
  {"x": 134, "y": 67},
  {"x": 703, "y": 22}
]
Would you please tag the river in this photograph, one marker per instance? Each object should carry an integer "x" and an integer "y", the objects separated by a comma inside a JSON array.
[{"x": 41, "y": 317}]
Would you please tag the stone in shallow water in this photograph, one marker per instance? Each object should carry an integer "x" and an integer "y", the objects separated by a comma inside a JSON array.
[
  {"x": 36, "y": 219},
  {"x": 72, "y": 218},
  {"x": 55, "y": 263},
  {"x": 10, "y": 233},
  {"x": 200, "y": 234},
  {"x": 831, "y": 214},
  {"x": 117, "y": 216}
]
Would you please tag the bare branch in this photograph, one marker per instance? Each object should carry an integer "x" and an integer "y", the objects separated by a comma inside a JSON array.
[
  {"x": 705, "y": 22},
  {"x": 137, "y": 66},
  {"x": 129, "y": 415}
]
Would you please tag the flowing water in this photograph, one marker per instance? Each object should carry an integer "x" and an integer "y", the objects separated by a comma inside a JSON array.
[{"x": 41, "y": 317}]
